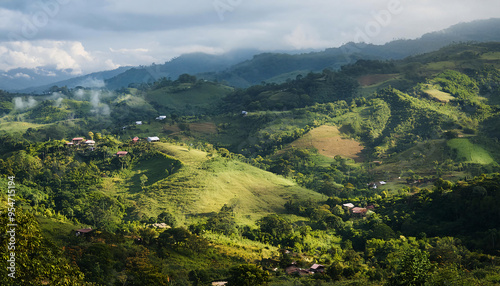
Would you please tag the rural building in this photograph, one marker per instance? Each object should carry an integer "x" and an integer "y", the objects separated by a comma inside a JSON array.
[
  {"x": 77, "y": 140},
  {"x": 83, "y": 231},
  {"x": 317, "y": 268},
  {"x": 244, "y": 113},
  {"x": 90, "y": 142},
  {"x": 382, "y": 183},
  {"x": 138, "y": 123},
  {"x": 219, "y": 283},
  {"x": 161, "y": 117},
  {"x": 349, "y": 205},
  {"x": 153, "y": 139},
  {"x": 359, "y": 211},
  {"x": 121, "y": 153},
  {"x": 135, "y": 139},
  {"x": 69, "y": 144}
]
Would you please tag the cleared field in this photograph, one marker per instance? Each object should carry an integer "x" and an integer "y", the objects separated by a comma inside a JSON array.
[
  {"x": 15, "y": 126},
  {"x": 203, "y": 127},
  {"x": 373, "y": 79},
  {"x": 491, "y": 56},
  {"x": 439, "y": 95},
  {"x": 469, "y": 152},
  {"x": 204, "y": 185},
  {"x": 330, "y": 143}
]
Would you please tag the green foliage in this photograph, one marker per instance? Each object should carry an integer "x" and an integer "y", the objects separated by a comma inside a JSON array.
[
  {"x": 414, "y": 269},
  {"x": 248, "y": 275}
]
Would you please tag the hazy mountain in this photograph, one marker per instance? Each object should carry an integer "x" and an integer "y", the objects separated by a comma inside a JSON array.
[
  {"x": 193, "y": 63},
  {"x": 91, "y": 80},
  {"x": 264, "y": 67},
  {"x": 243, "y": 68}
]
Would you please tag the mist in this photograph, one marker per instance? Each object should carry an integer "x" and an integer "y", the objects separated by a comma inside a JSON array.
[{"x": 23, "y": 104}]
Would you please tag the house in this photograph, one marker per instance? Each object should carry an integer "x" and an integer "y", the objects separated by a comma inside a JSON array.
[
  {"x": 161, "y": 117},
  {"x": 69, "y": 144},
  {"x": 89, "y": 142},
  {"x": 370, "y": 207},
  {"x": 135, "y": 139},
  {"x": 77, "y": 140},
  {"x": 153, "y": 139},
  {"x": 83, "y": 231},
  {"x": 349, "y": 205},
  {"x": 382, "y": 183},
  {"x": 359, "y": 211},
  {"x": 138, "y": 123},
  {"x": 219, "y": 283},
  {"x": 244, "y": 113},
  {"x": 121, "y": 153},
  {"x": 317, "y": 268}
]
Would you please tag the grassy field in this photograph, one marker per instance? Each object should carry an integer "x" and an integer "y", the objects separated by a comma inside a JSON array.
[
  {"x": 204, "y": 184},
  {"x": 469, "y": 152},
  {"x": 17, "y": 127},
  {"x": 329, "y": 142},
  {"x": 438, "y": 94}
]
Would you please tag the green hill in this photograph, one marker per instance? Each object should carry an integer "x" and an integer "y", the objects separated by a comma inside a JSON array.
[{"x": 205, "y": 183}]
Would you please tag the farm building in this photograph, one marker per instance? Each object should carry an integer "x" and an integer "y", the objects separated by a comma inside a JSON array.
[
  {"x": 83, "y": 231},
  {"x": 359, "y": 211},
  {"x": 77, "y": 140},
  {"x": 161, "y": 117},
  {"x": 349, "y": 205},
  {"x": 153, "y": 139},
  {"x": 121, "y": 153},
  {"x": 317, "y": 268}
]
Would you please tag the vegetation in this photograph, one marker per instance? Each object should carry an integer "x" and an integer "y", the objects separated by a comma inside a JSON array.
[{"x": 379, "y": 173}]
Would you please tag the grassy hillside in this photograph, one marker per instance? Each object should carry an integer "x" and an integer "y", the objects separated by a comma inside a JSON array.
[
  {"x": 205, "y": 183},
  {"x": 468, "y": 152}
]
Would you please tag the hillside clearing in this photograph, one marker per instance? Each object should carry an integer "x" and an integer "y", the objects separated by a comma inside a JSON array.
[
  {"x": 469, "y": 152},
  {"x": 330, "y": 143}
]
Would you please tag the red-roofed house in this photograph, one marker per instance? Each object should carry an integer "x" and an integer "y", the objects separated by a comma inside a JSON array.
[
  {"x": 121, "y": 153},
  {"x": 77, "y": 140},
  {"x": 135, "y": 139},
  {"x": 359, "y": 211}
]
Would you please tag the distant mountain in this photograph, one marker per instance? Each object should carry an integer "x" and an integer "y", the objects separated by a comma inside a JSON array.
[
  {"x": 243, "y": 68},
  {"x": 264, "y": 67},
  {"x": 193, "y": 63},
  {"x": 91, "y": 80},
  {"x": 21, "y": 78}
]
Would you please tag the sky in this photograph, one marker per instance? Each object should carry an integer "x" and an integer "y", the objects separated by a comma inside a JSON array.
[{"x": 83, "y": 36}]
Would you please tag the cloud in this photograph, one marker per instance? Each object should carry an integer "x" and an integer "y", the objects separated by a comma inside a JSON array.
[
  {"x": 21, "y": 104},
  {"x": 112, "y": 33},
  {"x": 63, "y": 55}
]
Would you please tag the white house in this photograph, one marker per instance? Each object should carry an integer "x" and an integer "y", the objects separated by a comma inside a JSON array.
[
  {"x": 161, "y": 117},
  {"x": 138, "y": 123},
  {"x": 153, "y": 139}
]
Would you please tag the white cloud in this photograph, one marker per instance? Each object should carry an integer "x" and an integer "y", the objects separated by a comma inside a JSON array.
[
  {"x": 130, "y": 32},
  {"x": 64, "y": 55}
]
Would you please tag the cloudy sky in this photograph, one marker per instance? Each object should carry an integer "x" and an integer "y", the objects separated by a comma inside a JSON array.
[{"x": 83, "y": 36}]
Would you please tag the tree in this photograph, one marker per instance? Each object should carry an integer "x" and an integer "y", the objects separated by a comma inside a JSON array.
[
  {"x": 248, "y": 275},
  {"x": 414, "y": 269},
  {"x": 144, "y": 180},
  {"x": 38, "y": 261}
]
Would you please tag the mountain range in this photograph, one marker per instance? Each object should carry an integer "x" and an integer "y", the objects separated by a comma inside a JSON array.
[{"x": 244, "y": 68}]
